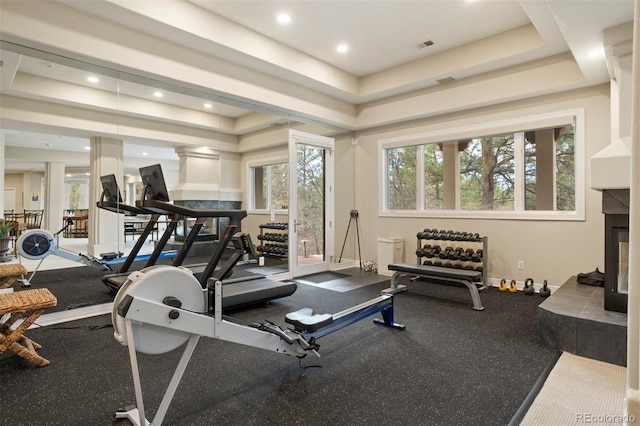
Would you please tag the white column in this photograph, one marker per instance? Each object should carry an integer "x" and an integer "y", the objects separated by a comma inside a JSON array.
[
  {"x": 632, "y": 402},
  {"x": 54, "y": 195},
  {"x": 2, "y": 169},
  {"x": 105, "y": 228}
]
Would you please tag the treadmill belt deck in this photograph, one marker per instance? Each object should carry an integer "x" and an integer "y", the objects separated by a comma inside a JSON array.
[{"x": 236, "y": 293}]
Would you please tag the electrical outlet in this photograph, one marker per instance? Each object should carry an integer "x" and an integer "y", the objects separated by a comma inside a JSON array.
[{"x": 520, "y": 264}]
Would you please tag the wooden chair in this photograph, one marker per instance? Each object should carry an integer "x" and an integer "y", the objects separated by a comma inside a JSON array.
[
  {"x": 27, "y": 305},
  {"x": 80, "y": 221},
  {"x": 33, "y": 218}
]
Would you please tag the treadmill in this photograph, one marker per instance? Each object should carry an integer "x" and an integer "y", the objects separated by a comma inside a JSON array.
[
  {"x": 111, "y": 200},
  {"x": 237, "y": 292}
]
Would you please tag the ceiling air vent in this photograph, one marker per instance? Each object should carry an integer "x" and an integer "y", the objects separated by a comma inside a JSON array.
[
  {"x": 424, "y": 44},
  {"x": 445, "y": 80}
]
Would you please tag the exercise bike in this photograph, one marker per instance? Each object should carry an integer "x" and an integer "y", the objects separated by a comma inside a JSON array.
[
  {"x": 38, "y": 244},
  {"x": 163, "y": 307}
]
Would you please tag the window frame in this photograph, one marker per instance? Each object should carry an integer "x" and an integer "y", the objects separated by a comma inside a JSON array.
[
  {"x": 262, "y": 162},
  {"x": 514, "y": 125}
]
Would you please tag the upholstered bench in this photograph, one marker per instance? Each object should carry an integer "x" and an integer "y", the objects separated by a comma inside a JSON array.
[{"x": 27, "y": 305}]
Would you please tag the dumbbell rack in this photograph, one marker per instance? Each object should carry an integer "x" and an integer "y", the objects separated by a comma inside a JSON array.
[
  {"x": 274, "y": 244},
  {"x": 467, "y": 250}
]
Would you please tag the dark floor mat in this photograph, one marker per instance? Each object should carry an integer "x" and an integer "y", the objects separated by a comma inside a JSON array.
[{"x": 322, "y": 277}]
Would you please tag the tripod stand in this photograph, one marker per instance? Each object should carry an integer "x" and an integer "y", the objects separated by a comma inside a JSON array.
[{"x": 353, "y": 216}]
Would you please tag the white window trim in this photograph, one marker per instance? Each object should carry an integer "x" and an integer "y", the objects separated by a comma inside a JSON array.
[
  {"x": 496, "y": 127},
  {"x": 268, "y": 160}
]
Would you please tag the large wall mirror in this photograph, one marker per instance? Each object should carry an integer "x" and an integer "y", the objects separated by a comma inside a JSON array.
[{"x": 86, "y": 121}]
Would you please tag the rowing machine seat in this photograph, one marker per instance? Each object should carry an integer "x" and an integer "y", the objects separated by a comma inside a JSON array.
[{"x": 306, "y": 319}]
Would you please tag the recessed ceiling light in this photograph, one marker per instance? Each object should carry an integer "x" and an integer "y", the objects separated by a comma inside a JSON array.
[
  {"x": 208, "y": 105},
  {"x": 342, "y": 48},
  {"x": 88, "y": 148},
  {"x": 284, "y": 18},
  {"x": 596, "y": 53},
  {"x": 144, "y": 153},
  {"x": 93, "y": 79},
  {"x": 158, "y": 94}
]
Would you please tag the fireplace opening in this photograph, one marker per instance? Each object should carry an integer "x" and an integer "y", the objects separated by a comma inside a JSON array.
[
  {"x": 212, "y": 227},
  {"x": 616, "y": 273}
]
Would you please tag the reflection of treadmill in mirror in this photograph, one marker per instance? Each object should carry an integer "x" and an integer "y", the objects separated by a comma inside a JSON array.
[
  {"x": 111, "y": 200},
  {"x": 236, "y": 292}
]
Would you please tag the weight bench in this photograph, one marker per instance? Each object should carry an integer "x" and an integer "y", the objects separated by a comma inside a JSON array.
[
  {"x": 28, "y": 305},
  {"x": 438, "y": 274},
  {"x": 10, "y": 273}
]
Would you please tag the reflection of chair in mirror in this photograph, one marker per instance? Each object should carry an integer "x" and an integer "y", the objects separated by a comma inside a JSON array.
[
  {"x": 80, "y": 219},
  {"x": 33, "y": 218}
]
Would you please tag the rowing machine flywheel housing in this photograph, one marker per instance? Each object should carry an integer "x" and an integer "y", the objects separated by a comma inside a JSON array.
[
  {"x": 156, "y": 283},
  {"x": 36, "y": 244}
]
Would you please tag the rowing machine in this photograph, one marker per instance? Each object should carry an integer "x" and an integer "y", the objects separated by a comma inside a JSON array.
[
  {"x": 38, "y": 244},
  {"x": 161, "y": 307}
]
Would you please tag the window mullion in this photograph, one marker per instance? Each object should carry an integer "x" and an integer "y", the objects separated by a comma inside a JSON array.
[
  {"x": 519, "y": 172},
  {"x": 420, "y": 190},
  {"x": 269, "y": 189}
]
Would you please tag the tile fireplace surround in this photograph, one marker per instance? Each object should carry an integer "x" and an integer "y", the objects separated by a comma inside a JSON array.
[{"x": 573, "y": 319}]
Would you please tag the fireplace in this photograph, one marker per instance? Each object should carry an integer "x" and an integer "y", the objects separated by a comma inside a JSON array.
[
  {"x": 615, "y": 206},
  {"x": 213, "y": 227}
]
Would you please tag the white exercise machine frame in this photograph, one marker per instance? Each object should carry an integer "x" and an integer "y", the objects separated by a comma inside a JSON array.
[{"x": 145, "y": 325}]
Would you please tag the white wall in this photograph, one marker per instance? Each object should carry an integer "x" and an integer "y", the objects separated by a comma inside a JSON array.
[{"x": 551, "y": 250}]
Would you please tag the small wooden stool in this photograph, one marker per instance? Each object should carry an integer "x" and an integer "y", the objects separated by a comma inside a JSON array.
[
  {"x": 29, "y": 305},
  {"x": 10, "y": 273}
]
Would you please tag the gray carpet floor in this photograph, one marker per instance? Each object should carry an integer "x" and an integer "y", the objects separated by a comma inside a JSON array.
[{"x": 452, "y": 365}]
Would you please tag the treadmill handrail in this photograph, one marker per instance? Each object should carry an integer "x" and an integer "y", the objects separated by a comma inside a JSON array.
[
  {"x": 163, "y": 207},
  {"x": 121, "y": 208}
]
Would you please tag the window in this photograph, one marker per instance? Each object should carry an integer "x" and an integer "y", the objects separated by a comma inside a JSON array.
[
  {"x": 269, "y": 187},
  {"x": 526, "y": 170},
  {"x": 401, "y": 168},
  {"x": 487, "y": 179}
]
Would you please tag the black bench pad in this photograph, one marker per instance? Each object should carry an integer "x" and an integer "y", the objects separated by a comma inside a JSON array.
[
  {"x": 436, "y": 274},
  {"x": 437, "y": 271}
]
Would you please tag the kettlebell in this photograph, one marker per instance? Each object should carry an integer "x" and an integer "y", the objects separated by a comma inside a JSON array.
[
  {"x": 512, "y": 287},
  {"x": 528, "y": 287},
  {"x": 503, "y": 285},
  {"x": 544, "y": 291}
]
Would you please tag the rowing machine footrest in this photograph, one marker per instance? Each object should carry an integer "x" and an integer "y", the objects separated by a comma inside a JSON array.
[
  {"x": 110, "y": 255},
  {"x": 306, "y": 320}
]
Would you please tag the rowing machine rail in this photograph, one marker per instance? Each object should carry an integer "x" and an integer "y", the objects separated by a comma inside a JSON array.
[{"x": 160, "y": 308}]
